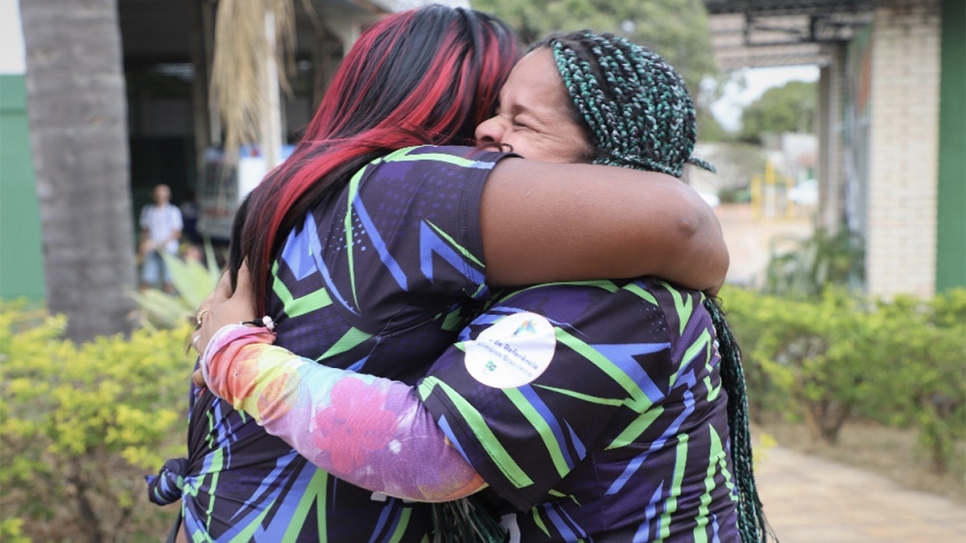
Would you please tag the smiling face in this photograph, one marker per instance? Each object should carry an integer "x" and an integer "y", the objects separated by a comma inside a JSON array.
[{"x": 536, "y": 116}]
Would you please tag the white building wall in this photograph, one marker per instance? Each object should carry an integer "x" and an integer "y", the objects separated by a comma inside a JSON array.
[{"x": 901, "y": 229}]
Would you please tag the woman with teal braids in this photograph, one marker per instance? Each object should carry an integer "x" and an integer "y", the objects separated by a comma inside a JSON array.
[
  {"x": 608, "y": 410},
  {"x": 637, "y": 113}
]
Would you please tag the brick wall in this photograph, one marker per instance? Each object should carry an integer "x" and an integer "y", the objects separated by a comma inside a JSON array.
[{"x": 901, "y": 229}]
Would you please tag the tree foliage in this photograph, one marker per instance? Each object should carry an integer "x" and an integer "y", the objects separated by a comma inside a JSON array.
[
  {"x": 789, "y": 108},
  {"x": 240, "y": 72},
  {"x": 676, "y": 29}
]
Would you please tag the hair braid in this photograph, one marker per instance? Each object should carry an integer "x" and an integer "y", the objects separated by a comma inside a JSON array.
[
  {"x": 578, "y": 77},
  {"x": 620, "y": 74},
  {"x": 751, "y": 516}
]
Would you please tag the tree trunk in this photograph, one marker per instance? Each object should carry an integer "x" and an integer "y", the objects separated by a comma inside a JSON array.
[
  {"x": 825, "y": 418},
  {"x": 77, "y": 107},
  {"x": 812, "y": 420}
]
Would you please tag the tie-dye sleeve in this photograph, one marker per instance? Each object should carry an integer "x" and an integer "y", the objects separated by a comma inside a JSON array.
[{"x": 369, "y": 431}]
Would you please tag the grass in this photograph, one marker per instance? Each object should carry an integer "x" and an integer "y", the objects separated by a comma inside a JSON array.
[{"x": 892, "y": 452}]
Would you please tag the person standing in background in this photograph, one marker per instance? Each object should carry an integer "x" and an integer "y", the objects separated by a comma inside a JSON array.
[{"x": 160, "y": 231}]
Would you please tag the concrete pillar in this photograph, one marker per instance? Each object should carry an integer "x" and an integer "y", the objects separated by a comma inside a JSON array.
[{"x": 831, "y": 175}]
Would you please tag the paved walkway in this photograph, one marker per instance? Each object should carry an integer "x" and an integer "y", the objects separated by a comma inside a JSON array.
[
  {"x": 750, "y": 240},
  {"x": 813, "y": 500}
]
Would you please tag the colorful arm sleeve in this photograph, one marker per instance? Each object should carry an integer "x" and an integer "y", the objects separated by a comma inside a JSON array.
[{"x": 369, "y": 431}]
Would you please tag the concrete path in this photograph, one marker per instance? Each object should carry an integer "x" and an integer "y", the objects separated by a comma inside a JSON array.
[
  {"x": 813, "y": 500},
  {"x": 750, "y": 240}
]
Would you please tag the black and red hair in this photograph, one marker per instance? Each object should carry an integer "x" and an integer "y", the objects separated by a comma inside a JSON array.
[{"x": 424, "y": 76}]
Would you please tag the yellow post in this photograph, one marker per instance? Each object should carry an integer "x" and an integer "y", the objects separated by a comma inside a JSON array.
[{"x": 770, "y": 200}]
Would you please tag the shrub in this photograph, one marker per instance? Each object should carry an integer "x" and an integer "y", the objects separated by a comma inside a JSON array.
[
  {"x": 747, "y": 313},
  {"x": 80, "y": 426},
  {"x": 807, "y": 355},
  {"x": 900, "y": 362},
  {"x": 926, "y": 349}
]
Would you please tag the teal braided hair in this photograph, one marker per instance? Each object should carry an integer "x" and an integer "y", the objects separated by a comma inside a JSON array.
[
  {"x": 751, "y": 516},
  {"x": 638, "y": 114},
  {"x": 634, "y": 105}
]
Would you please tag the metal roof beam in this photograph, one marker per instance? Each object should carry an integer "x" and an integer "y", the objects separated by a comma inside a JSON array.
[{"x": 788, "y": 7}]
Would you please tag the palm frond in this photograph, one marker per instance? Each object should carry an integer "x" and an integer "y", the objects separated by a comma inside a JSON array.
[{"x": 241, "y": 54}]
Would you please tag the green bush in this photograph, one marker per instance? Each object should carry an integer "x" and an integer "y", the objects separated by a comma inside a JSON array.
[
  {"x": 926, "y": 348},
  {"x": 948, "y": 310},
  {"x": 806, "y": 353},
  {"x": 747, "y": 313},
  {"x": 81, "y": 425},
  {"x": 11, "y": 531},
  {"x": 899, "y": 362},
  {"x": 735, "y": 195}
]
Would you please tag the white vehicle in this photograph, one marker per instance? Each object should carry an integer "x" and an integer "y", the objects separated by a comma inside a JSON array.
[
  {"x": 804, "y": 193},
  {"x": 711, "y": 199}
]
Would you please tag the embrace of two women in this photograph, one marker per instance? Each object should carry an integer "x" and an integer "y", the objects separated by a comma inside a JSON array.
[{"x": 473, "y": 305}]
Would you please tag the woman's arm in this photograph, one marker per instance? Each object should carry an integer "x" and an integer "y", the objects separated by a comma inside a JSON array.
[
  {"x": 371, "y": 432},
  {"x": 546, "y": 222}
]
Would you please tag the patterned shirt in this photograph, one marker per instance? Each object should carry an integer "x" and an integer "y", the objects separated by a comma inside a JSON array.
[
  {"x": 595, "y": 412},
  {"x": 379, "y": 278}
]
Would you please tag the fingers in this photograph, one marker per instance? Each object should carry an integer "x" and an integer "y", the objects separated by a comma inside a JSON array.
[
  {"x": 198, "y": 341},
  {"x": 223, "y": 307},
  {"x": 198, "y": 379},
  {"x": 222, "y": 290},
  {"x": 243, "y": 286},
  {"x": 213, "y": 297}
]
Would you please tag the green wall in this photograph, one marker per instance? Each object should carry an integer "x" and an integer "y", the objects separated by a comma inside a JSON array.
[
  {"x": 951, "y": 235},
  {"x": 21, "y": 256}
]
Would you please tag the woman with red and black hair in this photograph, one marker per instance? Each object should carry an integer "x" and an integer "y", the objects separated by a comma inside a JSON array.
[{"x": 378, "y": 240}]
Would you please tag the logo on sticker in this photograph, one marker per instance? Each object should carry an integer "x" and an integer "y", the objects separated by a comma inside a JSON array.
[{"x": 513, "y": 352}]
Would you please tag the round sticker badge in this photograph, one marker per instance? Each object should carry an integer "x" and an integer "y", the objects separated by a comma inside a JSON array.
[{"x": 513, "y": 352}]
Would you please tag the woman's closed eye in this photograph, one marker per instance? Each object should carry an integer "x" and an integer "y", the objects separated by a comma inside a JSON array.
[{"x": 527, "y": 120}]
